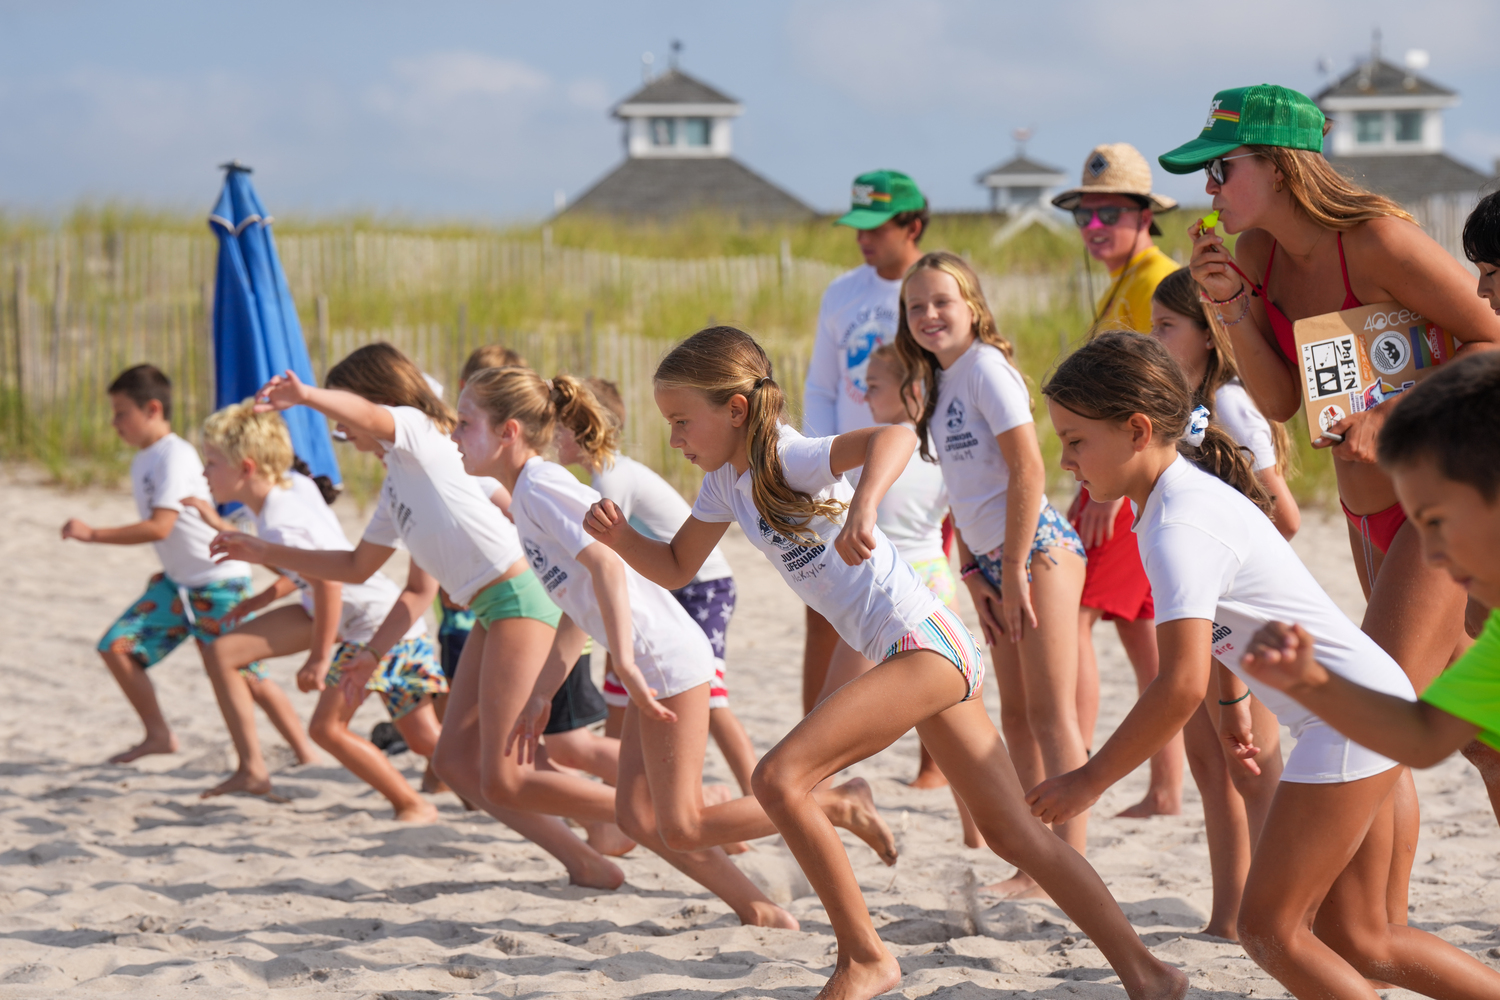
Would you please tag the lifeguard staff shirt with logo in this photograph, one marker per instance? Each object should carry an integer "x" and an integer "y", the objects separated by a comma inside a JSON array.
[
  {"x": 980, "y": 396},
  {"x": 859, "y": 313},
  {"x": 870, "y": 605}
]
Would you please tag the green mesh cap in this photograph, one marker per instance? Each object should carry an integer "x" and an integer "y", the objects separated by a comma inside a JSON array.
[
  {"x": 1264, "y": 115},
  {"x": 879, "y": 196}
]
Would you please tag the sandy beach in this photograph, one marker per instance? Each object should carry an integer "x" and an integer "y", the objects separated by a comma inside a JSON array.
[{"x": 119, "y": 881}]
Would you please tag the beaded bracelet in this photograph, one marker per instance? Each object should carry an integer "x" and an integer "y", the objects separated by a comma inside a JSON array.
[
  {"x": 967, "y": 570},
  {"x": 1244, "y": 311},
  {"x": 1235, "y": 701},
  {"x": 1204, "y": 296}
]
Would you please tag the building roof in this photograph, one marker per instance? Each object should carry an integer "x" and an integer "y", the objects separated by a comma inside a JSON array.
[
  {"x": 1378, "y": 78},
  {"x": 1410, "y": 177},
  {"x": 676, "y": 87},
  {"x": 664, "y": 187},
  {"x": 1022, "y": 171}
]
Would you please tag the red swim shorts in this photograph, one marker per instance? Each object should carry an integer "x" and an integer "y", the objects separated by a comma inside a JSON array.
[{"x": 1115, "y": 582}]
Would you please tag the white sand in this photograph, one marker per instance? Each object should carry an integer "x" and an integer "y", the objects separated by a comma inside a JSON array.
[{"x": 120, "y": 882}]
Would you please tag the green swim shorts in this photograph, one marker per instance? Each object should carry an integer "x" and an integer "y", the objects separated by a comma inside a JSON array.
[{"x": 522, "y": 596}]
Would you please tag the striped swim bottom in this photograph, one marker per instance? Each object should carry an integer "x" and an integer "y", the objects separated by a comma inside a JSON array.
[{"x": 944, "y": 634}]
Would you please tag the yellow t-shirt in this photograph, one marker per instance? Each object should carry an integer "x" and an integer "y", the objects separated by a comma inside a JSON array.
[{"x": 1130, "y": 306}]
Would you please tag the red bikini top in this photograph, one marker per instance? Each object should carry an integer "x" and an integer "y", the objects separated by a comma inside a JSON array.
[{"x": 1281, "y": 326}]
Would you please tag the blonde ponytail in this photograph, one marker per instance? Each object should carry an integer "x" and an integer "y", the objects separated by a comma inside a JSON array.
[
  {"x": 522, "y": 395},
  {"x": 594, "y": 428},
  {"x": 722, "y": 362}
]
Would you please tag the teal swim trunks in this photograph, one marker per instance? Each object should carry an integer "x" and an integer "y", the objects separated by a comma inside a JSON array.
[
  {"x": 406, "y": 675},
  {"x": 167, "y": 615}
]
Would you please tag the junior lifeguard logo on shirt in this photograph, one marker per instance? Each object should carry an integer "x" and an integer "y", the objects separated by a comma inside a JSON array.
[
  {"x": 552, "y": 577},
  {"x": 957, "y": 443},
  {"x": 798, "y": 561},
  {"x": 1221, "y": 636},
  {"x": 772, "y": 536}
]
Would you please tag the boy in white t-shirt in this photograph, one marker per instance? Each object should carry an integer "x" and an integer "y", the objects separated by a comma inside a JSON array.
[{"x": 193, "y": 594}]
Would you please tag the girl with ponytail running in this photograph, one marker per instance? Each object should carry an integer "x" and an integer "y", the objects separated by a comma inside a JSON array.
[
  {"x": 379, "y": 399},
  {"x": 1314, "y": 913},
  {"x": 506, "y": 418},
  {"x": 789, "y": 495}
]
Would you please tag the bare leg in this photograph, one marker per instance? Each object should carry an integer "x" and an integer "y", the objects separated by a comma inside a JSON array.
[
  {"x": 421, "y": 729},
  {"x": 141, "y": 694},
  {"x": 1314, "y": 914},
  {"x": 1224, "y": 824},
  {"x": 844, "y": 664},
  {"x": 465, "y": 742},
  {"x": 1088, "y": 676},
  {"x": 865, "y": 716},
  {"x": 585, "y": 750},
  {"x": 614, "y": 723},
  {"x": 278, "y": 708},
  {"x": 1164, "y": 796},
  {"x": 929, "y": 775},
  {"x": 279, "y": 632},
  {"x": 1488, "y": 762},
  {"x": 817, "y": 651},
  {"x": 330, "y": 728},
  {"x": 1046, "y": 663},
  {"x": 734, "y": 743}
]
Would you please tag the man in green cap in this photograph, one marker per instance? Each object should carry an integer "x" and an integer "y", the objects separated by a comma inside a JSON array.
[{"x": 859, "y": 312}]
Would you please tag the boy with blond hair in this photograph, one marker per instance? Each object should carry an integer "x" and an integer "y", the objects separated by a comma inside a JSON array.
[{"x": 192, "y": 596}]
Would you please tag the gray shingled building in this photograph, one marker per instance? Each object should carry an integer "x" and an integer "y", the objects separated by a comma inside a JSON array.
[
  {"x": 1388, "y": 137},
  {"x": 678, "y": 159}
]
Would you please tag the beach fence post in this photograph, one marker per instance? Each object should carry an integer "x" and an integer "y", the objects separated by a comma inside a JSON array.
[
  {"x": 322, "y": 301},
  {"x": 19, "y": 353}
]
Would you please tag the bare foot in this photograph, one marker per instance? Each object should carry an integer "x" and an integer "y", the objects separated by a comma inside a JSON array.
[
  {"x": 1156, "y": 803},
  {"x": 431, "y": 783},
  {"x": 607, "y": 839},
  {"x": 1228, "y": 933},
  {"x": 1165, "y": 982},
  {"x": 306, "y": 755},
  {"x": 596, "y": 874},
  {"x": 929, "y": 777},
  {"x": 861, "y": 980},
  {"x": 1018, "y": 886},
  {"x": 149, "y": 745},
  {"x": 420, "y": 811},
  {"x": 852, "y": 807},
  {"x": 764, "y": 913},
  {"x": 241, "y": 781},
  {"x": 714, "y": 795}
]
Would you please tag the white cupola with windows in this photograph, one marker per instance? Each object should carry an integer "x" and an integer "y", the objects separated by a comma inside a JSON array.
[
  {"x": 674, "y": 115},
  {"x": 1378, "y": 108}
]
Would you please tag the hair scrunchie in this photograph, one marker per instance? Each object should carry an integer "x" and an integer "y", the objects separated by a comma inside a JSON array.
[{"x": 1197, "y": 427}]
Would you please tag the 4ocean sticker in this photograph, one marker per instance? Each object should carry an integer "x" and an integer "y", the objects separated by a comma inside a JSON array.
[{"x": 1379, "y": 358}]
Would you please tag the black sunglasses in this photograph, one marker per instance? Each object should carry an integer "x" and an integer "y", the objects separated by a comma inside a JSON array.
[
  {"x": 1108, "y": 216},
  {"x": 1215, "y": 168}
]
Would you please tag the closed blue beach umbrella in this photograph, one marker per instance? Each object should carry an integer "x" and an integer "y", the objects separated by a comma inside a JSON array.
[{"x": 256, "y": 330}]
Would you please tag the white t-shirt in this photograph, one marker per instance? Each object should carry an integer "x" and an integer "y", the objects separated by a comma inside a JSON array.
[
  {"x": 859, "y": 312},
  {"x": 870, "y": 605},
  {"x": 911, "y": 515},
  {"x": 979, "y": 397},
  {"x": 653, "y": 508},
  {"x": 439, "y": 512},
  {"x": 160, "y": 476},
  {"x": 1237, "y": 413},
  {"x": 1210, "y": 553},
  {"x": 549, "y": 504},
  {"x": 298, "y": 517}
]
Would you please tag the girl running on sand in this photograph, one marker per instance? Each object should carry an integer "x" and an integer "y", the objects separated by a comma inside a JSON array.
[
  {"x": 429, "y": 504},
  {"x": 1021, "y": 560},
  {"x": 248, "y": 460},
  {"x": 506, "y": 418},
  {"x": 1314, "y": 912},
  {"x": 727, "y": 415}
]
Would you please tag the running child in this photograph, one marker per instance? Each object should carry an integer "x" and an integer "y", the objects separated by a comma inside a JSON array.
[
  {"x": 977, "y": 412},
  {"x": 1314, "y": 913},
  {"x": 657, "y": 510},
  {"x": 192, "y": 595},
  {"x": 1441, "y": 447},
  {"x": 1235, "y": 801},
  {"x": 249, "y": 458},
  {"x": 430, "y": 505},
  {"x": 727, "y": 415},
  {"x": 507, "y": 416}
]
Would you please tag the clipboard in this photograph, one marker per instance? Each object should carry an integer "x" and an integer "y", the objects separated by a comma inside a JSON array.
[{"x": 1354, "y": 360}]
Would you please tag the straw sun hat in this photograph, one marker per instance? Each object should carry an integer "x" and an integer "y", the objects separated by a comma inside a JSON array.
[{"x": 1116, "y": 168}]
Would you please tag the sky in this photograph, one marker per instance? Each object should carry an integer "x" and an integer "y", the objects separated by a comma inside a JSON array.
[{"x": 481, "y": 111}]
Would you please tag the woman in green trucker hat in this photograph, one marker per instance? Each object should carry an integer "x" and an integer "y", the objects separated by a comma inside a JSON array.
[{"x": 1313, "y": 243}]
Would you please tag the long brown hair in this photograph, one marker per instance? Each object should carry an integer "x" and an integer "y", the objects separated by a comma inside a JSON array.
[
  {"x": 1119, "y": 374},
  {"x": 722, "y": 362},
  {"x": 921, "y": 364},
  {"x": 1179, "y": 293},
  {"x": 539, "y": 406},
  {"x": 1328, "y": 197},
  {"x": 382, "y": 374}
]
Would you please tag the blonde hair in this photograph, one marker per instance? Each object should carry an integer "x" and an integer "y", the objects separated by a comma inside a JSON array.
[
  {"x": 241, "y": 433},
  {"x": 1179, "y": 293},
  {"x": 921, "y": 364},
  {"x": 609, "y": 394},
  {"x": 1328, "y": 197},
  {"x": 911, "y": 392},
  {"x": 382, "y": 374},
  {"x": 539, "y": 406},
  {"x": 722, "y": 362},
  {"x": 490, "y": 356}
]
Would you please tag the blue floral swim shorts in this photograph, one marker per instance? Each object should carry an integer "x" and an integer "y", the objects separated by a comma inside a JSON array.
[
  {"x": 167, "y": 615},
  {"x": 407, "y": 674},
  {"x": 1052, "y": 532}
]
